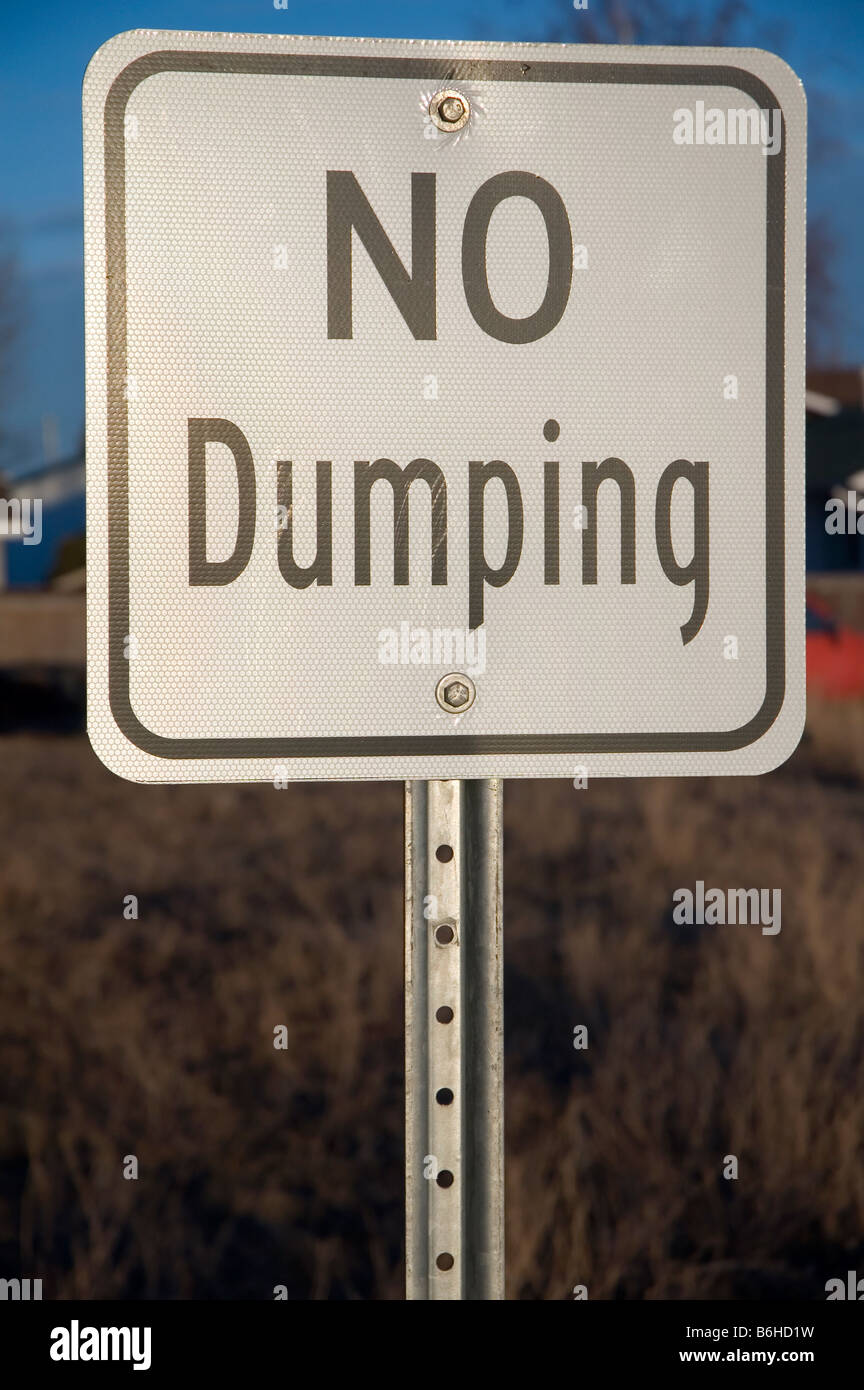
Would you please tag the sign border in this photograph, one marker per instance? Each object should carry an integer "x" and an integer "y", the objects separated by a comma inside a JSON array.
[{"x": 447, "y": 71}]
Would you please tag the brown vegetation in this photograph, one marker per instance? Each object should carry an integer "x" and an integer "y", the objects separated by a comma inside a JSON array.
[{"x": 261, "y": 1167}]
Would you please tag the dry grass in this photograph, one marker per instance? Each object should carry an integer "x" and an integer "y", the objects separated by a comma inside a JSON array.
[
  {"x": 261, "y": 1167},
  {"x": 833, "y": 744}
]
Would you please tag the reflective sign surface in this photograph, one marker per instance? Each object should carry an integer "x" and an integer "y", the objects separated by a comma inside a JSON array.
[{"x": 445, "y": 409}]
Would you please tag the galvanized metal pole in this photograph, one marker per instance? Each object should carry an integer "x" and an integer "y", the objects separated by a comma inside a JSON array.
[{"x": 454, "y": 1062}]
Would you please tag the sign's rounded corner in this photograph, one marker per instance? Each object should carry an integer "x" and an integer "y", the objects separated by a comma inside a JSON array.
[
  {"x": 780, "y": 743},
  {"x": 116, "y": 51},
  {"x": 769, "y": 67},
  {"x": 105, "y": 749}
]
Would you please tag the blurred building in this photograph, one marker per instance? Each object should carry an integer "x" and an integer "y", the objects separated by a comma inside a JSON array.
[
  {"x": 835, "y": 465},
  {"x": 59, "y": 488}
]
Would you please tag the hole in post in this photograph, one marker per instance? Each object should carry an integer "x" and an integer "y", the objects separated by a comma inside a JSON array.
[
  {"x": 444, "y": 853},
  {"x": 445, "y": 1178},
  {"x": 444, "y": 934},
  {"x": 444, "y": 1014},
  {"x": 445, "y": 1261},
  {"x": 444, "y": 1096}
]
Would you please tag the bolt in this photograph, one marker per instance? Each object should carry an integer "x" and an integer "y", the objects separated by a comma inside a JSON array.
[
  {"x": 449, "y": 110},
  {"x": 455, "y": 693}
]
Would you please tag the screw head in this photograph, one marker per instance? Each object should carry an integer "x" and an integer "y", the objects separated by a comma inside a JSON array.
[
  {"x": 449, "y": 110},
  {"x": 455, "y": 693}
]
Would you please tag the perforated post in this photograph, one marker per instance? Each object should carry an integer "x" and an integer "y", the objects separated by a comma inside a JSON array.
[{"x": 454, "y": 1070}]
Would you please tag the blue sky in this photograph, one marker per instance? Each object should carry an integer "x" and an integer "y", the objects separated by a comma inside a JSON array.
[{"x": 46, "y": 48}]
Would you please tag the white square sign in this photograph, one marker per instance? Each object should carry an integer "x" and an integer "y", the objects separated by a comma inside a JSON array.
[{"x": 445, "y": 409}]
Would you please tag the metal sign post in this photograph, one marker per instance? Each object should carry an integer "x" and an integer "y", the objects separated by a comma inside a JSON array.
[{"x": 454, "y": 1060}]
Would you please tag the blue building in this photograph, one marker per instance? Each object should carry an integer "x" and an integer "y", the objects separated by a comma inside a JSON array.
[{"x": 58, "y": 488}]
